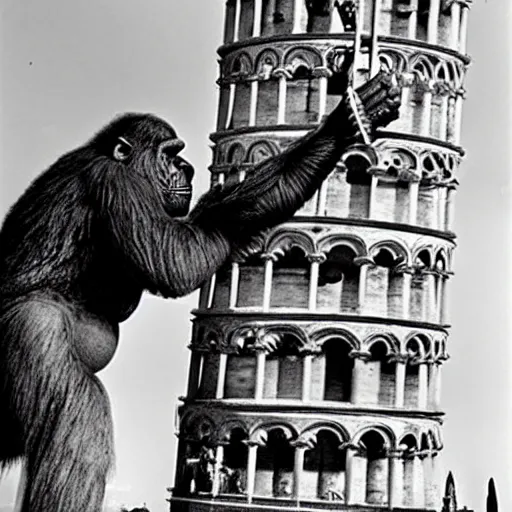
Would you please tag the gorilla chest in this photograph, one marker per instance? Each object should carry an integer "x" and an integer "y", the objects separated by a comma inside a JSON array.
[
  {"x": 108, "y": 290},
  {"x": 94, "y": 341}
]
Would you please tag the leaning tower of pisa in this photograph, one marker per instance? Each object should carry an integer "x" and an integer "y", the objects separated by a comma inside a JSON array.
[{"x": 316, "y": 361}]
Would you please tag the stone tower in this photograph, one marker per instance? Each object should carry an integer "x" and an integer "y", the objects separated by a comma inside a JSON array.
[{"x": 316, "y": 362}]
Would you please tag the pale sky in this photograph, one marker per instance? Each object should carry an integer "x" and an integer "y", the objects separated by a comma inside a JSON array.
[{"x": 67, "y": 67}]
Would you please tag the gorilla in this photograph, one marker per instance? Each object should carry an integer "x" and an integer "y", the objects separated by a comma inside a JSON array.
[{"x": 106, "y": 222}]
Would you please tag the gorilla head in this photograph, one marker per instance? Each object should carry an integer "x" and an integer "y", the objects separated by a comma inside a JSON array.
[{"x": 146, "y": 144}]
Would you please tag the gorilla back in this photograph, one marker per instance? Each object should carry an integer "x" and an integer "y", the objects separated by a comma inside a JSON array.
[{"x": 104, "y": 223}]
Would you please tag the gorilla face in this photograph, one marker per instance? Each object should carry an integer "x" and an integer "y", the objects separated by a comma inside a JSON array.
[
  {"x": 152, "y": 147},
  {"x": 174, "y": 177}
]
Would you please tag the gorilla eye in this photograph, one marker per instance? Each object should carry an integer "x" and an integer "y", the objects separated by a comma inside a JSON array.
[{"x": 122, "y": 149}]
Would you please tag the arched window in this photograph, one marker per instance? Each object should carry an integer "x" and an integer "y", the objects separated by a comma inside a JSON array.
[
  {"x": 376, "y": 468},
  {"x": 274, "y": 466},
  {"x": 223, "y": 107},
  {"x": 246, "y": 19},
  {"x": 268, "y": 102},
  {"x": 359, "y": 180},
  {"x": 409, "y": 445},
  {"x": 401, "y": 18},
  {"x": 277, "y": 17},
  {"x": 199, "y": 467},
  {"x": 236, "y": 154},
  {"x": 222, "y": 287},
  {"x": 241, "y": 370},
  {"x": 233, "y": 472},
  {"x": 241, "y": 107},
  {"x": 338, "y": 281},
  {"x": 338, "y": 194},
  {"x": 415, "y": 351},
  {"x": 319, "y": 15},
  {"x": 384, "y": 287},
  {"x": 251, "y": 283},
  {"x": 419, "y": 287},
  {"x": 324, "y": 469},
  {"x": 384, "y": 373},
  {"x": 422, "y": 20},
  {"x": 209, "y": 375},
  {"x": 339, "y": 367},
  {"x": 284, "y": 369},
  {"x": 290, "y": 280},
  {"x": 229, "y": 28},
  {"x": 302, "y": 97}
]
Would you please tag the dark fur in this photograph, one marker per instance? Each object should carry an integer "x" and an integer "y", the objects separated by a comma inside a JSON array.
[{"x": 77, "y": 251}]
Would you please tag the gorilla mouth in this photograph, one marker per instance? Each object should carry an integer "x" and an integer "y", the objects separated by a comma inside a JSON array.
[{"x": 185, "y": 190}]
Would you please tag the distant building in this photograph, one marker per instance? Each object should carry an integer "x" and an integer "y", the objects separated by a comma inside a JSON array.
[{"x": 315, "y": 375}]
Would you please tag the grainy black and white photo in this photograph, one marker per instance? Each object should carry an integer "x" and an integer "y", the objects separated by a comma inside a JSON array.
[{"x": 255, "y": 255}]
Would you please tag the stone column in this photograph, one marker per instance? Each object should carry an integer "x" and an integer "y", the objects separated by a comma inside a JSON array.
[
  {"x": 406, "y": 296},
  {"x": 430, "y": 279},
  {"x": 413, "y": 20},
  {"x": 450, "y": 207},
  {"x": 281, "y": 109},
  {"x": 258, "y": 8},
  {"x": 322, "y": 199},
  {"x": 324, "y": 75},
  {"x": 427, "y": 109},
  {"x": 463, "y": 29},
  {"x": 306, "y": 376},
  {"x": 358, "y": 375},
  {"x": 373, "y": 196},
  {"x": 445, "y": 316},
  {"x": 413, "y": 202},
  {"x": 422, "y": 385},
  {"x": 459, "y": 101},
  {"x": 443, "y": 129},
  {"x": 269, "y": 259},
  {"x": 455, "y": 25},
  {"x": 374, "y": 32},
  {"x": 297, "y": 16},
  {"x": 233, "y": 290},
  {"x": 300, "y": 449},
  {"x": 363, "y": 272},
  {"x": 194, "y": 374},
  {"x": 428, "y": 475},
  {"x": 238, "y": 12},
  {"x": 400, "y": 367},
  {"x": 219, "y": 458},
  {"x": 316, "y": 260},
  {"x": 251, "y": 469},
  {"x": 432, "y": 374},
  {"x": 435, "y": 207},
  {"x": 451, "y": 129},
  {"x": 254, "y": 102},
  {"x": 433, "y": 21},
  {"x": 437, "y": 386},
  {"x": 439, "y": 298},
  {"x": 221, "y": 377},
  {"x": 396, "y": 479},
  {"x": 351, "y": 450},
  {"x": 260, "y": 372},
  {"x": 442, "y": 208},
  {"x": 418, "y": 482},
  {"x": 435, "y": 477},
  {"x": 211, "y": 291},
  {"x": 231, "y": 105}
]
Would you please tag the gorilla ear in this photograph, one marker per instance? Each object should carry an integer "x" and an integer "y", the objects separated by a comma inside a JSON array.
[{"x": 122, "y": 149}]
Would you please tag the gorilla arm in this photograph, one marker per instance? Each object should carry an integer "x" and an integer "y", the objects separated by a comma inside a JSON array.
[{"x": 173, "y": 256}]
